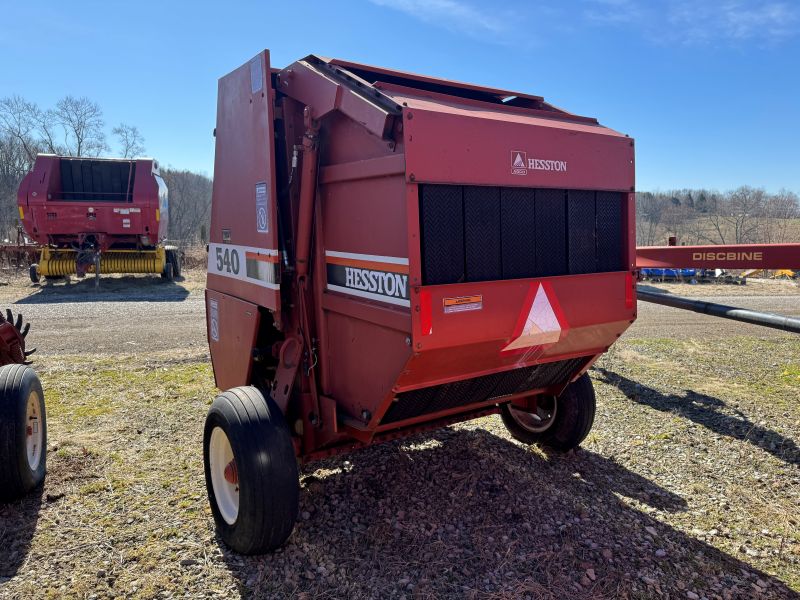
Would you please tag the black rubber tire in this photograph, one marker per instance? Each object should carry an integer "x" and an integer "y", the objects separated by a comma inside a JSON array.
[
  {"x": 17, "y": 478},
  {"x": 34, "y": 273},
  {"x": 269, "y": 482},
  {"x": 574, "y": 418},
  {"x": 173, "y": 256},
  {"x": 168, "y": 274}
]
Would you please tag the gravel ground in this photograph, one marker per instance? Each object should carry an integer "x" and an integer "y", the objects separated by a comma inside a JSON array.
[{"x": 687, "y": 487}]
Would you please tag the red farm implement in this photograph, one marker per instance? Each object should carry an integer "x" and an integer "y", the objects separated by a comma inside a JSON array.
[
  {"x": 92, "y": 215},
  {"x": 392, "y": 253},
  {"x": 23, "y": 422}
]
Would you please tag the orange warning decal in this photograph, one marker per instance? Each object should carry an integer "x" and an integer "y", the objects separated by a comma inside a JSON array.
[
  {"x": 541, "y": 321},
  {"x": 463, "y": 303}
]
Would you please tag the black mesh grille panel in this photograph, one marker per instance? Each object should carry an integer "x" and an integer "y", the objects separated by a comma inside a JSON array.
[
  {"x": 442, "y": 225},
  {"x": 609, "y": 231},
  {"x": 99, "y": 180},
  {"x": 518, "y": 219},
  {"x": 581, "y": 231},
  {"x": 482, "y": 233},
  {"x": 488, "y": 387}
]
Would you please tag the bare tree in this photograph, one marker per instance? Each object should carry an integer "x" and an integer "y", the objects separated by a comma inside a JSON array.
[
  {"x": 82, "y": 121},
  {"x": 781, "y": 211},
  {"x": 130, "y": 140},
  {"x": 189, "y": 205},
  {"x": 17, "y": 124}
]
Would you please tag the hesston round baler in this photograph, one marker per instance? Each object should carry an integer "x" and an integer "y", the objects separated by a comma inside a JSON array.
[
  {"x": 95, "y": 215},
  {"x": 392, "y": 253}
]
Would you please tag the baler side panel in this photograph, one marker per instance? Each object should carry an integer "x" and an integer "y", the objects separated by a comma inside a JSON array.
[
  {"x": 362, "y": 201},
  {"x": 243, "y": 249},
  {"x": 231, "y": 328}
]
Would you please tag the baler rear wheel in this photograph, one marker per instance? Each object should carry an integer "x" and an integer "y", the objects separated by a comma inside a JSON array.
[
  {"x": 251, "y": 471},
  {"x": 168, "y": 273},
  {"x": 23, "y": 431},
  {"x": 34, "y": 273},
  {"x": 560, "y": 423},
  {"x": 173, "y": 257}
]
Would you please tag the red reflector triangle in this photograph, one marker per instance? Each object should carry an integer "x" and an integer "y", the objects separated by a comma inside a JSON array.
[{"x": 541, "y": 324}]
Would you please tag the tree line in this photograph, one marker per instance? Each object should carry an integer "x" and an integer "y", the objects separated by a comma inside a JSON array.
[
  {"x": 745, "y": 215},
  {"x": 75, "y": 127}
]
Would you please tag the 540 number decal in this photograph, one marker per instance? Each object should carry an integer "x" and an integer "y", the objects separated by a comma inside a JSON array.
[
  {"x": 258, "y": 266},
  {"x": 228, "y": 260}
]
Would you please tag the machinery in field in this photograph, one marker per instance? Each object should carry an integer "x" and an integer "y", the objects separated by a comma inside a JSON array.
[
  {"x": 92, "y": 215},
  {"x": 23, "y": 421},
  {"x": 392, "y": 253}
]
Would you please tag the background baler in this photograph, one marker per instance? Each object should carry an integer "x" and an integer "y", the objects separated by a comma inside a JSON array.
[
  {"x": 392, "y": 253},
  {"x": 93, "y": 215}
]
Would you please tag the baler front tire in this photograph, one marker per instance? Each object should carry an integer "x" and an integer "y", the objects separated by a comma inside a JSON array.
[
  {"x": 572, "y": 422},
  {"x": 34, "y": 273},
  {"x": 23, "y": 432},
  {"x": 259, "y": 514}
]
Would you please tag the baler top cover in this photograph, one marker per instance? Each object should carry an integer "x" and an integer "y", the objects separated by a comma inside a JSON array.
[
  {"x": 436, "y": 247},
  {"x": 115, "y": 201}
]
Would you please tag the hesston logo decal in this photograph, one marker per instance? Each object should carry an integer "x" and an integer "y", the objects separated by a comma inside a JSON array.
[
  {"x": 521, "y": 164},
  {"x": 541, "y": 322},
  {"x": 382, "y": 278}
]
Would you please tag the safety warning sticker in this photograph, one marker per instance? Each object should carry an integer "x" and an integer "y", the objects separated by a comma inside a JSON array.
[
  {"x": 463, "y": 303},
  {"x": 262, "y": 214},
  {"x": 213, "y": 320}
]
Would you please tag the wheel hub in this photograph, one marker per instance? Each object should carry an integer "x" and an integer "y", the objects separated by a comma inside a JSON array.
[
  {"x": 232, "y": 473},
  {"x": 541, "y": 418}
]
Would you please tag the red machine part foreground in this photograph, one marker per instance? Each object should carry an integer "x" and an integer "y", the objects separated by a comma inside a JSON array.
[
  {"x": 391, "y": 252},
  {"x": 23, "y": 422},
  {"x": 12, "y": 340}
]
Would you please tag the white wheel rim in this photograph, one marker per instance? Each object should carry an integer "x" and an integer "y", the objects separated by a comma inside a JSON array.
[
  {"x": 34, "y": 431},
  {"x": 226, "y": 494}
]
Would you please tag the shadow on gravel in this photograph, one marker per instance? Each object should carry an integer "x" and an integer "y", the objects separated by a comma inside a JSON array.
[
  {"x": 650, "y": 288},
  {"x": 112, "y": 289},
  {"x": 462, "y": 513},
  {"x": 706, "y": 410},
  {"x": 17, "y": 525}
]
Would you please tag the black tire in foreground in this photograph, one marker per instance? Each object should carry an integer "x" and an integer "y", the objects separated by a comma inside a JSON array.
[
  {"x": 251, "y": 471},
  {"x": 23, "y": 432},
  {"x": 562, "y": 425},
  {"x": 34, "y": 273}
]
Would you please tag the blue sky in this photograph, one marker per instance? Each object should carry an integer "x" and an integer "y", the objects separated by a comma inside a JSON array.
[{"x": 710, "y": 89}]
